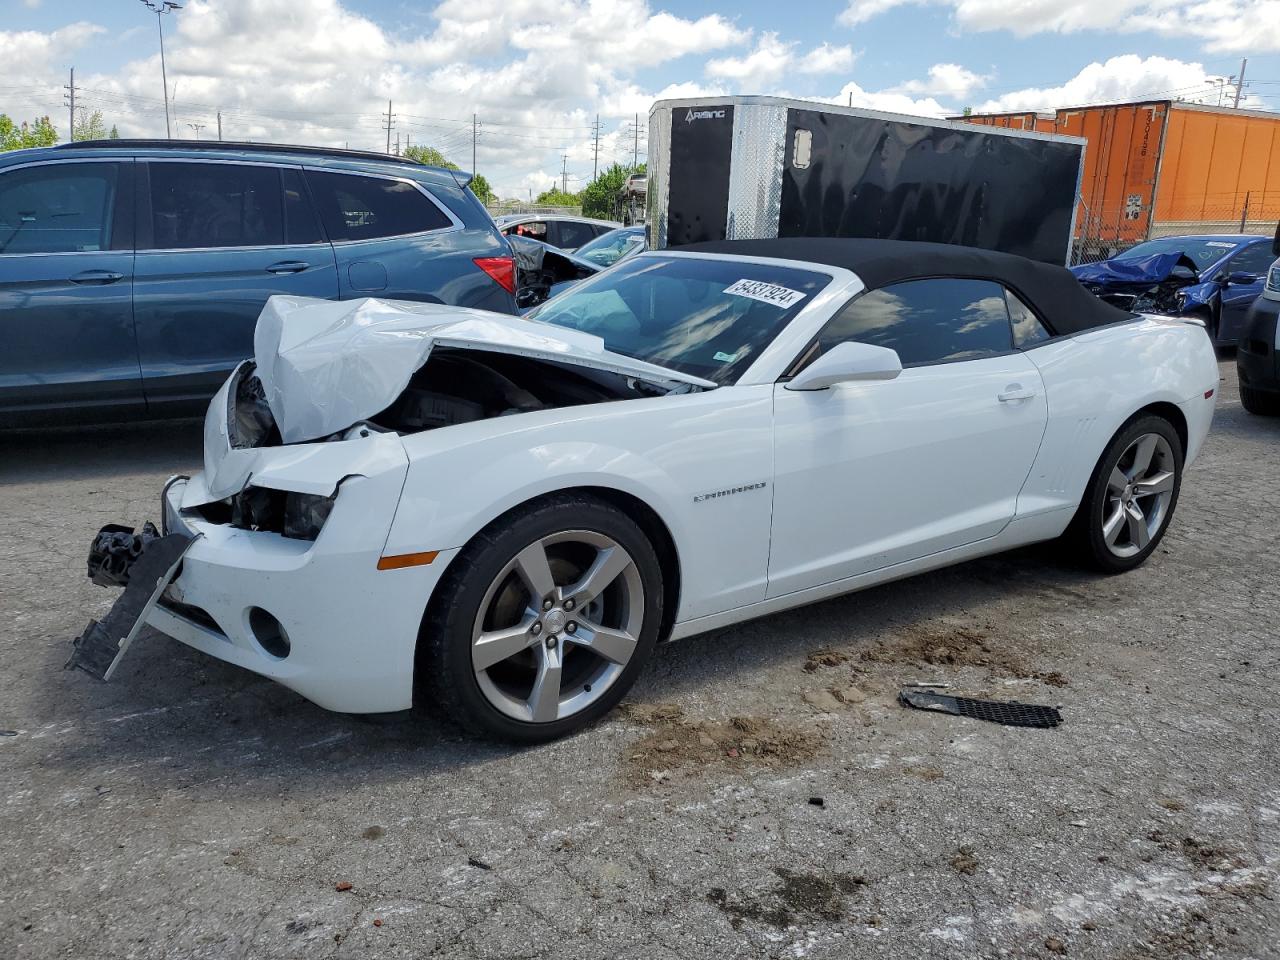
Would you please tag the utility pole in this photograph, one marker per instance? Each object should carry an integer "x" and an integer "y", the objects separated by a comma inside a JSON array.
[
  {"x": 397, "y": 143},
  {"x": 160, "y": 8},
  {"x": 219, "y": 124},
  {"x": 474, "y": 131},
  {"x": 1239, "y": 88},
  {"x": 71, "y": 89},
  {"x": 595, "y": 164},
  {"x": 635, "y": 150},
  {"x": 197, "y": 127},
  {"x": 564, "y": 175},
  {"x": 389, "y": 118}
]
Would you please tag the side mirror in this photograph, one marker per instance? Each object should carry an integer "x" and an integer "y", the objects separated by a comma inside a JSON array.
[
  {"x": 848, "y": 362},
  {"x": 1243, "y": 277}
]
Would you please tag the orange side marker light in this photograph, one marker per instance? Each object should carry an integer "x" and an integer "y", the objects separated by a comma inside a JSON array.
[{"x": 401, "y": 560}]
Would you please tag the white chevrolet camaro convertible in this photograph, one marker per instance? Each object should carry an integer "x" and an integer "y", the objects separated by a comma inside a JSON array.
[{"x": 502, "y": 516}]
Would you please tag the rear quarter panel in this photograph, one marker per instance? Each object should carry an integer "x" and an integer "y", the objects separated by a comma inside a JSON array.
[
  {"x": 664, "y": 451},
  {"x": 1096, "y": 381}
]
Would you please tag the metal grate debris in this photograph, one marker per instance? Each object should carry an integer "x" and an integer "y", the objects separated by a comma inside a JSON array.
[{"x": 1010, "y": 713}]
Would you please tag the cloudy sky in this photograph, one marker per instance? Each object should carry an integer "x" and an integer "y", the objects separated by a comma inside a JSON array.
[{"x": 536, "y": 73}]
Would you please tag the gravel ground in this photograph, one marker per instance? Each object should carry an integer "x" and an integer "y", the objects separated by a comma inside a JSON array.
[{"x": 760, "y": 794}]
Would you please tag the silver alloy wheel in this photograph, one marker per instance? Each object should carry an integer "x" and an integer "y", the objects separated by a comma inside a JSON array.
[
  {"x": 1139, "y": 491},
  {"x": 557, "y": 626}
]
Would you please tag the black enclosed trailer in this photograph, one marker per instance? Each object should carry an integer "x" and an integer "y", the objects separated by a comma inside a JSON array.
[{"x": 762, "y": 167}]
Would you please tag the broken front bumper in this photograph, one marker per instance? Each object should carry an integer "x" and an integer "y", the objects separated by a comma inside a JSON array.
[{"x": 318, "y": 617}]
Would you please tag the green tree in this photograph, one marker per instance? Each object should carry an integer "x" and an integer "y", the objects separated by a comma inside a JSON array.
[
  {"x": 39, "y": 133},
  {"x": 90, "y": 127},
  {"x": 431, "y": 157},
  {"x": 480, "y": 187},
  {"x": 114, "y": 134},
  {"x": 600, "y": 198},
  {"x": 555, "y": 197}
]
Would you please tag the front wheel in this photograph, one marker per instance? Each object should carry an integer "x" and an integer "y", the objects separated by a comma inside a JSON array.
[
  {"x": 543, "y": 621},
  {"x": 1131, "y": 496}
]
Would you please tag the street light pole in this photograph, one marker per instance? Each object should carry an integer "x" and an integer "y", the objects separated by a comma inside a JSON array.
[{"x": 163, "y": 7}]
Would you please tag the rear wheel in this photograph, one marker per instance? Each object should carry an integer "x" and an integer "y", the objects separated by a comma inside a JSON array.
[
  {"x": 543, "y": 621},
  {"x": 1131, "y": 496},
  {"x": 1261, "y": 402}
]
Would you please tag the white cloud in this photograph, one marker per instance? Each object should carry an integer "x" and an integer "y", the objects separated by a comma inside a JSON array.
[
  {"x": 764, "y": 65},
  {"x": 1119, "y": 79},
  {"x": 826, "y": 59},
  {"x": 890, "y": 101},
  {"x": 947, "y": 80},
  {"x": 1223, "y": 26},
  {"x": 860, "y": 11},
  {"x": 772, "y": 60}
]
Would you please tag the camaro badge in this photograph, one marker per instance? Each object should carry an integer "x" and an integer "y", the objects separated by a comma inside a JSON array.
[{"x": 698, "y": 498}]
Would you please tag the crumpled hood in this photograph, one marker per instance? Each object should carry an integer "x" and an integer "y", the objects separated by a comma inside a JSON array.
[
  {"x": 325, "y": 365},
  {"x": 1142, "y": 271}
]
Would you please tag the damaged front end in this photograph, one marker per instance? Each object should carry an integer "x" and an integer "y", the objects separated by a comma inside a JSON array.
[
  {"x": 280, "y": 538},
  {"x": 1165, "y": 283}
]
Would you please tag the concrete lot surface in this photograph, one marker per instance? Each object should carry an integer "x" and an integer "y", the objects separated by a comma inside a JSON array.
[{"x": 760, "y": 795}]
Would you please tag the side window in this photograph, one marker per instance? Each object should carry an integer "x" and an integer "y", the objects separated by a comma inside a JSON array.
[
  {"x": 535, "y": 229},
  {"x": 573, "y": 235},
  {"x": 927, "y": 321},
  {"x": 197, "y": 205},
  {"x": 355, "y": 207},
  {"x": 59, "y": 208},
  {"x": 1257, "y": 259},
  {"x": 300, "y": 223},
  {"x": 1027, "y": 328}
]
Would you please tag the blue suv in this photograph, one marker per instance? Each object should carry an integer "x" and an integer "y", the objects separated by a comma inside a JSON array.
[{"x": 132, "y": 272}]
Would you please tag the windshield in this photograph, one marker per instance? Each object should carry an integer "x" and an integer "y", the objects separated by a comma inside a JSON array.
[
  {"x": 608, "y": 248},
  {"x": 1205, "y": 251},
  {"x": 709, "y": 318}
]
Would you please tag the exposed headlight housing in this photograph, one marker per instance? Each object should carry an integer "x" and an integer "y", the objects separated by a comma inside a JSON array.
[
  {"x": 299, "y": 516},
  {"x": 305, "y": 514}
]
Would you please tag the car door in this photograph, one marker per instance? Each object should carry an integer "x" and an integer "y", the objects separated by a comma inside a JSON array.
[
  {"x": 66, "y": 291},
  {"x": 1236, "y": 298},
  {"x": 215, "y": 240},
  {"x": 872, "y": 474}
]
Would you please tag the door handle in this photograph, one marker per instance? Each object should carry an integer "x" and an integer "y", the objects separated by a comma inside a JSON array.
[
  {"x": 288, "y": 266},
  {"x": 1015, "y": 391},
  {"x": 97, "y": 276}
]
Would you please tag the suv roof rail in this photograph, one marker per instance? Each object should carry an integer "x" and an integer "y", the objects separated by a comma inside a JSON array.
[{"x": 232, "y": 145}]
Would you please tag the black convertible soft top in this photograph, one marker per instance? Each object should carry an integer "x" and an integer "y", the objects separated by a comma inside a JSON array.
[{"x": 1062, "y": 303}]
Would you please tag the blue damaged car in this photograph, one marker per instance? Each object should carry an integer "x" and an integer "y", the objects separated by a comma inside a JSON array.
[
  {"x": 132, "y": 273},
  {"x": 1215, "y": 277}
]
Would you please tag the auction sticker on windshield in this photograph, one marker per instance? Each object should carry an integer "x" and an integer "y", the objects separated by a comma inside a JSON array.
[{"x": 783, "y": 297}]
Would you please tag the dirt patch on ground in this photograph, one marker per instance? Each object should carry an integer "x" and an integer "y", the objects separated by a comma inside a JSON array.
[
  {"x": 801, "y": 897},
  {"x": 965, "y": 861},
  {"x": 677, "y": 747},
  {"x": 1201, "y": 853},
  {"x": 930, "y": 645},
  {"x": 824, "y": 658}
]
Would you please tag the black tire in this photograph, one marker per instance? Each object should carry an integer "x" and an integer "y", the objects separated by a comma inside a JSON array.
[
  {"x": 1085, "y": 534},
  {"x": 445, "y": 678},
  {"x": 1260, "y": 402}
]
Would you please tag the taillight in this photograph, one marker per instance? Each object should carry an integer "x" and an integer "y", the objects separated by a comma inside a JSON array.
[{"x": 502, "y": 270}]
